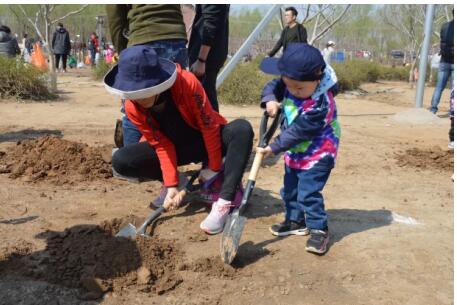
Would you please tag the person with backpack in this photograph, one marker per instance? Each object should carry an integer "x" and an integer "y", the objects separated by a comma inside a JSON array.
[
  {"x": 293, "y": 32},
  {"x": 61, "y": 46},
  {"x": 8, "y": 44},
  {"x": 446, "y": 68}
]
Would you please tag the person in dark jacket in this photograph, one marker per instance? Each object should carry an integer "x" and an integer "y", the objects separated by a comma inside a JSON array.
[
  {"x": 293, "y": 32},
  {"x": 61, "y": 46},
  {"x": 208, "y": 46},
  {"x": 8, "y": 44},
  {"x": 446, "y": 67}
]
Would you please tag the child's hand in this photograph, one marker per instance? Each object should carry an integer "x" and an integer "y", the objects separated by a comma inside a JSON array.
[
  {"x": 265, "y": 151},
  {"x": 173, "y": 199},
  {"x": 272, "y": 108}
]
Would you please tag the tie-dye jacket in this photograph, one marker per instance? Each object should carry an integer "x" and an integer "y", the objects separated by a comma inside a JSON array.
[{"x": 311, "y": 130}]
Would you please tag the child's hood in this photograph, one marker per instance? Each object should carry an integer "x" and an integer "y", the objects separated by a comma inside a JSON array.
[{"x": 328, "y": 81}]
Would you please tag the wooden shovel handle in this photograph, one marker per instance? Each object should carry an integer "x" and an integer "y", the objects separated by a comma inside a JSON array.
[{"x": 255, "y": 166}]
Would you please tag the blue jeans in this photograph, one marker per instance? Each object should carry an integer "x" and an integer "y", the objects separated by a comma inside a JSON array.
[
  {"x": 445, "y": 70},
  {"x": 174, "y": 50},
  {"x": 302, "y": 194}
]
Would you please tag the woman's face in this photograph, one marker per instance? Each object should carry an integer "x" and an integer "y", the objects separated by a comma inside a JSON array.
[
  {"x": 300, "y": 89},
  {"x": 147, "y": 102}
]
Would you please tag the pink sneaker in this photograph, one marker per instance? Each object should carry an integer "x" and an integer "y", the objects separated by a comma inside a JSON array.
[
  {"x": 214, "y": 222},
  {"x": 211, "y": 190}
]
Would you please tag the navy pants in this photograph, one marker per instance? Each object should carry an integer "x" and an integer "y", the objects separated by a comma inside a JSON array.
[{"x": 302, "y": 194}]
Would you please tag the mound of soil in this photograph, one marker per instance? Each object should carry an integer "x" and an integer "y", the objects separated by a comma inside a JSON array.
[
  {"x": 433, "y": 158},
  {"x": 91, "y": 258},
  {"x": 55, "y": 160}
]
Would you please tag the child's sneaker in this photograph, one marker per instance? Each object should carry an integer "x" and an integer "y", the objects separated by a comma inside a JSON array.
[
  {"x": 158, "y": 202},
  {"x": 289, "y": 227},
  {"x": 214, "y": 222},
  {"x": 451, "y": 145},
  {"x": 318, "y": 241}
]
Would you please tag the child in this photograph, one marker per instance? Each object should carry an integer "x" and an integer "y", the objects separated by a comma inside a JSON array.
[{"x": 310, "y": 136}]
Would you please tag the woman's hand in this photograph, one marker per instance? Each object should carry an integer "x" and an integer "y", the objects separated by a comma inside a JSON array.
[
  {"x": 173, "y": 198},
  {"x": 265, "y": 151},
  {"x": 272, "y": 108}
]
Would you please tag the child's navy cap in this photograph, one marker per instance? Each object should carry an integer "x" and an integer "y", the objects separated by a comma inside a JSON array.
[{"x": 300, "y": 61}]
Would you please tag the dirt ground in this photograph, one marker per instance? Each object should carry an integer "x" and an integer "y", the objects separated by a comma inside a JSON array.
[{"x": 389, "y": 200}]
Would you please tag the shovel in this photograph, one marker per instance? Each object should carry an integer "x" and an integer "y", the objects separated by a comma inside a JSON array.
[
  {"x": 235, "y": 223},
  {"x": 131, "y": 231}
]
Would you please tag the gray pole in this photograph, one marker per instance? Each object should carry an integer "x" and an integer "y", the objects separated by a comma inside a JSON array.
[
  {"x": 424, "y": 55},
  {"x": 246, "y": 45}
]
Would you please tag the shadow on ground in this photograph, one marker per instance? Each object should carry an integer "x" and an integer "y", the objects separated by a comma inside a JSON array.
[{"x": 27, "y": 134}]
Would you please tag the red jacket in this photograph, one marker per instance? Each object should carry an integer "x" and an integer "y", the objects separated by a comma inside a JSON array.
[{"x": 193, "y": 105}]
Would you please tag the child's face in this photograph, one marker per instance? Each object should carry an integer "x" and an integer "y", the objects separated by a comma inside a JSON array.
[
  {"x": 147, "y": 102},
  {"x": 300, "y": 89}
]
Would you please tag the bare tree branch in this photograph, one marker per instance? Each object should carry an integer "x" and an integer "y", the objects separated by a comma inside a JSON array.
[
  {"x": 325, "y": 30},
  {"x": 34, "y": 24},
  {"x": 70, "y": 14}
]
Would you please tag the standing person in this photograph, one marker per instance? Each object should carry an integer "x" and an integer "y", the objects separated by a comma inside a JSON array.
[
  {"x": 93, "y": 47},
  {"x": 446, "y": 68},
  {"x": 208, "y": 46},
  {"x": 178, "y": 126},
  {"x": 309, "y": 137},
  {"x": 8, "y": 44},
  {"x": 292, "y": 32},
  {"x": 328, "y": 50},
  {"x": 160, "y": 26},
  {"x": 61, "y": 46}
]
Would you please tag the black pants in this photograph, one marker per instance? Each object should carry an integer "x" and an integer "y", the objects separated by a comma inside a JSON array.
[
  {"x": 64, "y": 60},
  {"x": 140, "y": 160},
  {"x": 209, "y": 84}
]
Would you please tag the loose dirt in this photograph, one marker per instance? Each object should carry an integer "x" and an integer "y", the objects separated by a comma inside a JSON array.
[
  {"x": 433, "y": 158},
  {"x": 56, "y": 160}
]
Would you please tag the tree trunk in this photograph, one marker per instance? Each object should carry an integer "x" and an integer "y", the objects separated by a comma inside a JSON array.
[{"x": 52, "y": 63}]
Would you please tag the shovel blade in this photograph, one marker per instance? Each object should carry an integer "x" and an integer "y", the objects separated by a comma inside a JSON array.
[
  {"x": 231, "y": 236},
  {"x": 127, "y": 231}
]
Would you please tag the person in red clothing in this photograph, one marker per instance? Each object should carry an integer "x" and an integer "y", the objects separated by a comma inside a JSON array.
[{"x": 169, "y": 107}]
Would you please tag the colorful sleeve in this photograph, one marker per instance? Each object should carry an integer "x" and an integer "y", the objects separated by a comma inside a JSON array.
[
  {"x": 273, "y": 91},
  {"x": 164, "y": 148}
]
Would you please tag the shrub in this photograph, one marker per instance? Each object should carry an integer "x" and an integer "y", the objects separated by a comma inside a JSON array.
[
  {"x": 244, "y": 85},
  {"x": 21, "y": 80},
  {"x": 100, "y": 69}
]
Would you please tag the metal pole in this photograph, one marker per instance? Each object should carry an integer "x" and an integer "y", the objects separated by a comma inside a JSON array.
[
  {"x": 424, "y": 55},
  {"x": 247, "y": 44}
]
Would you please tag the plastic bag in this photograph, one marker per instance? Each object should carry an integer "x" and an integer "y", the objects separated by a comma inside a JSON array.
[
  {"x": 38, "y": 58},
  {"x": 87, "y": 60}
]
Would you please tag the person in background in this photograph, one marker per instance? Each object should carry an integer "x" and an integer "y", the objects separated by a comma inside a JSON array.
[
  {"x": 8, "y": 44},
  {"x": 93, "y": 47},
  {"x": 61, "y": 46},
  {"x": 328, "y": 50},
  {"x": 446, "y": 68},
  {"x": 208, "y": 46},
  {"x": 292, "y": 32}
]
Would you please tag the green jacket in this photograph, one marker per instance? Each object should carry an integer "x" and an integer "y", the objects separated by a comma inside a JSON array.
[{"x": 143, "y": 23}]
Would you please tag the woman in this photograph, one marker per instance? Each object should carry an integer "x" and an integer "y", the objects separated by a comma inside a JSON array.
[{"x": 169, "y": 107}]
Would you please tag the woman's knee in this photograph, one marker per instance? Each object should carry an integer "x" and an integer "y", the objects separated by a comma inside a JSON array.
[
  {"x": 120, "y": 162},
  {"x": 243, "y": 129}
]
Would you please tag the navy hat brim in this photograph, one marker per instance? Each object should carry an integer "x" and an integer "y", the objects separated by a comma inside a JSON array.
[
  {"x": 269, "y": 65},
  {"x": 141, "y": 89}
]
